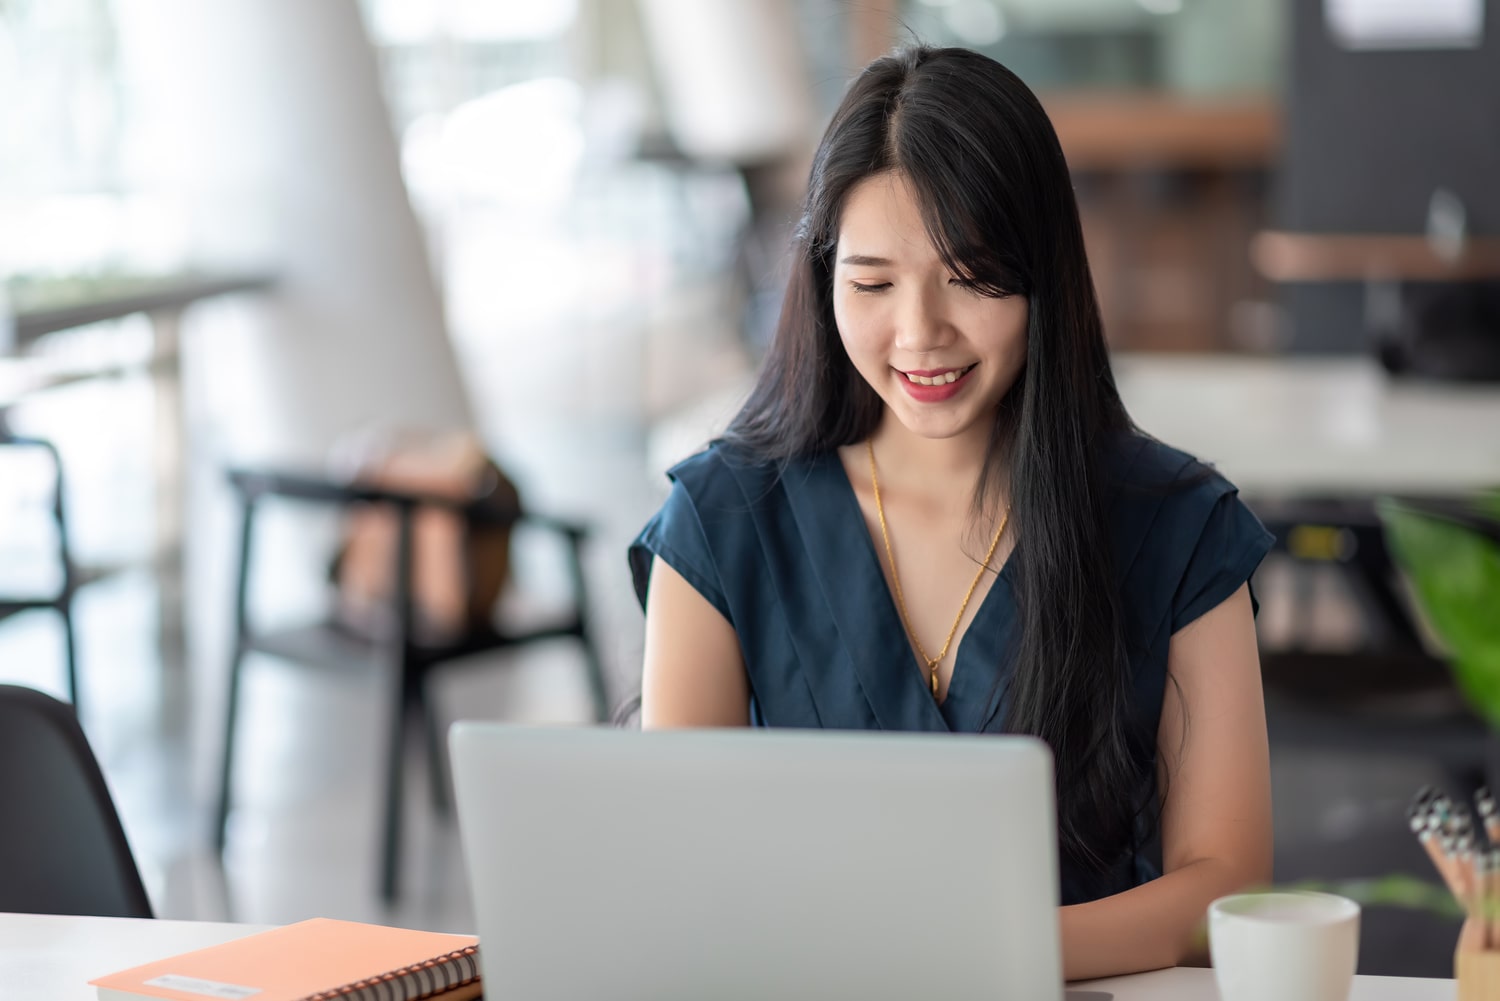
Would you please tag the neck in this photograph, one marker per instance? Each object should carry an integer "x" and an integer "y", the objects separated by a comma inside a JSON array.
[{"x": 933, "y": 466}]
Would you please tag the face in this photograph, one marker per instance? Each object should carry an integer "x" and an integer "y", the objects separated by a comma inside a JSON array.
[{"x": 940, "y": 354}]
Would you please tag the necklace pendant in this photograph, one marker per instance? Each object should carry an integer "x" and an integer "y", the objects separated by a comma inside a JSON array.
[{"x": 932, "y": 673}]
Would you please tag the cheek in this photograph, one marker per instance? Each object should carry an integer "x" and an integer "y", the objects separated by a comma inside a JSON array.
[
  {"x": 1010, "y": 325},
  {"x": 855, "y": 328}
]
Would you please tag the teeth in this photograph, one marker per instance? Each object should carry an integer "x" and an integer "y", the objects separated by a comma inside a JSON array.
[{"x": 940, "y": 380}]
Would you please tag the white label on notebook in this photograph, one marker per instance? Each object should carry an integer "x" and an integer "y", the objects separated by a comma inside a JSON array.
[{"x": 207, "y": 988}]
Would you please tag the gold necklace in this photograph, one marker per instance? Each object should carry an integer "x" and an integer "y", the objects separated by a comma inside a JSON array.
[{"x": 885, "y": 536}]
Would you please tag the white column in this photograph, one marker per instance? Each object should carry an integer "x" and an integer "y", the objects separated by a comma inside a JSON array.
[{"x": 266, "y": 117}]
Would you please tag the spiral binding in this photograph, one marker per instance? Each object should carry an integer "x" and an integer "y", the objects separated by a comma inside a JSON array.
[{"x": 411, "y": 983}]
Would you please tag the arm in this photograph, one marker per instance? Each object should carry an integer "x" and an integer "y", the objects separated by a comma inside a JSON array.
[
  {"x": 1213, "y": 762},
  {"x": 694, "y": 672}
]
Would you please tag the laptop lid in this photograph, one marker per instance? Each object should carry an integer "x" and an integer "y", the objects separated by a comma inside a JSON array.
[{"x": 716, "y": 864}]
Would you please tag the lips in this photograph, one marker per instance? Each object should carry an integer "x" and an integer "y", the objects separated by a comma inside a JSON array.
[{"x": 935, "y": 385}]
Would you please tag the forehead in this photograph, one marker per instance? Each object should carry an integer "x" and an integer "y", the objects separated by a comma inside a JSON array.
[{"x": 881, "y": 218}]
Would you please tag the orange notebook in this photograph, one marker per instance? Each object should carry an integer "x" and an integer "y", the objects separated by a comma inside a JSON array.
[{"x": 317, "y": 960}]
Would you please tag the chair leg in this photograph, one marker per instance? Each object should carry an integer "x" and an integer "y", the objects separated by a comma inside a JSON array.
[
  {"x": 70, "y": 639},
  {"x": 226, "y": 771},
  {"x": 594, "y": 666},
  {"x": 236, "y": 665},
  {"x": 390, "y": 854},
  {"x": 598, "y": 688},
  {"x": 409, "y": 693},
  {"x": 436, "y": 754},
  {"x": 65, "y": 560}
]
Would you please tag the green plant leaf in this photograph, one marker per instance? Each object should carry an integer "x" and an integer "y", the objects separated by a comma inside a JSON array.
[
  {"x": 1390, "y": 891},
  {"x": 1455, "y": 571},
  {"x": 1487, "y": 503}
]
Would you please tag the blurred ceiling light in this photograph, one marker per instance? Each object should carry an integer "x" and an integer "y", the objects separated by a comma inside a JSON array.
[
  {"x": 401, "y": 22},
  {"x": 1162, "y": 7},
  {"x": 975, "y": 22},
  {"x": 521, "y": 145},
  {"x": 413, "y": 21}
]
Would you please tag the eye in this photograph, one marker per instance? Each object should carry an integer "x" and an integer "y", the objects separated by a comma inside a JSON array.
[
  {"x": 980, "y": 289},
  {"x": 872, "y": 287}
]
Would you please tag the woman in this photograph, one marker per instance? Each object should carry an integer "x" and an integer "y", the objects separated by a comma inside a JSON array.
[{"x": 934, "y": 513}]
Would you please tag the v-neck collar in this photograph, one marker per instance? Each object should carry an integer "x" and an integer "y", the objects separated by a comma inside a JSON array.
[{"x": 864, "y": 611}]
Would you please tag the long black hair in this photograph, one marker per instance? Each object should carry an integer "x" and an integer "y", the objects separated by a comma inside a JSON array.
[{"x": 984, "y": 162}]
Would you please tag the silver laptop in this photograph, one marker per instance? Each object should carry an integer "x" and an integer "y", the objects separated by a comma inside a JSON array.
[{"x": 778, "y": 865}]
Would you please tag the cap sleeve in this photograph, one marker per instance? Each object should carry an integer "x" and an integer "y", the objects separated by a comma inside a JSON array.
[
  {"x": 1230, "y": 546},
  {"x": 675, "y": 533}
]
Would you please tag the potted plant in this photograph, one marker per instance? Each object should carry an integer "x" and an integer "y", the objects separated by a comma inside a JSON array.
[{"x": 1450, "y": 553}]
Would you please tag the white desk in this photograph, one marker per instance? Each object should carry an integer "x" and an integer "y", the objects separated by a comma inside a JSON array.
[
  {"x": 47, "y": 958},
  {"x": 1184, "y": 984},
  {"x": 1326, "y": 427}
]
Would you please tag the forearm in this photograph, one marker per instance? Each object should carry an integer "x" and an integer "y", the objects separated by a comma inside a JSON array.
[
  {"x": 1146, "y": 928},
  {"x": 1216, "y": 833}
]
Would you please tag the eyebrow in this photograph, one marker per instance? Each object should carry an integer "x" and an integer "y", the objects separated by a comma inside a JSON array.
[{"x": 865, "y": 261}]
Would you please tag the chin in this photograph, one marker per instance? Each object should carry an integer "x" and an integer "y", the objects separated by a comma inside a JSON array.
[{"x": 936, "y": 427}]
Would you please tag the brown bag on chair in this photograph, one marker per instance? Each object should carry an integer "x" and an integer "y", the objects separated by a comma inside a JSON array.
[{"x": 459, "y": 568}]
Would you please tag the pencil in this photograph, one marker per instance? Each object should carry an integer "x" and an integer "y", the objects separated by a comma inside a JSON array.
[
  {"x": 1460, "y": 851},
  {"x": 1440, "y": 813},
  {"x": 1489, "y": 921},
  {"x": 1421, "y": 802},
  {"x": 1461, "y": 821},
  {"x": 1491, "y": 911},
  {"x": 1423, "y": 825},
  {"x": 1484, "y": 802}
]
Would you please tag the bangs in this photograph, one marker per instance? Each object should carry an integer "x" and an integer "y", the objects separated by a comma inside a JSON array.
[
  {"x": 971, "y": 183},
  {"x": 970, "y": 232}
]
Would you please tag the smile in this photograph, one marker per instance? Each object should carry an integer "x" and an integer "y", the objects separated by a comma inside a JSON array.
[
  {"x": 937, "y": 377},
  {"x": 936, "y": 385}
]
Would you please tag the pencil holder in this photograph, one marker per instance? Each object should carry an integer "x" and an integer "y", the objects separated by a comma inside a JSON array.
[{"x": 1476, "y": 968}]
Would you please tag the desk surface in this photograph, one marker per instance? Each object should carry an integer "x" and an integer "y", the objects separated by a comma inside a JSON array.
[
  {"x": 45, "y": 956},
  {"x": 48, "y": 958},
  {"x": 47, "y": 306},
  {"x": 1317, "y": 426}
]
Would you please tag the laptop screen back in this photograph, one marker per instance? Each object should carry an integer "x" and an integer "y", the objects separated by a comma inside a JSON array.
[{"x": 759, "y": 864}]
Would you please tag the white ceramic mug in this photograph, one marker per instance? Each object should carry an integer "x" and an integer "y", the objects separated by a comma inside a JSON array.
[{"x": 1294, "y": 946}]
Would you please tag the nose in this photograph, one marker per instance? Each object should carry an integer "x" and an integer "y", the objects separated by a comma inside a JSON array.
[{"x": 921, "y": 324}]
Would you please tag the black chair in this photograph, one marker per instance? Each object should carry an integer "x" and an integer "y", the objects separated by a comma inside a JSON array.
[
  {"x": 62, "y": 601},
  {"x": 62, "y": 849},
  {"x": 332, "y": 644}
]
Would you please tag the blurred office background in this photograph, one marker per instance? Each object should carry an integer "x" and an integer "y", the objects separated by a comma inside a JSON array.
[{"x": 262, "y": 233}]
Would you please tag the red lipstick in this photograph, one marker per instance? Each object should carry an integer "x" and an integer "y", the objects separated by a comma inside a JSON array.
[{"x": 938, "y": 392}]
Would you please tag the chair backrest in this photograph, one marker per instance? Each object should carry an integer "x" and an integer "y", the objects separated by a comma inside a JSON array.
[{"x": 62, "y": 848}]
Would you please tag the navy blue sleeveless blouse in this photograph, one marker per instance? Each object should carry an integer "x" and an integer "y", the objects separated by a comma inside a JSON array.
[{"x": 785, "y": 556}]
